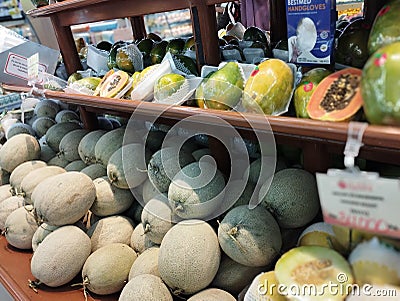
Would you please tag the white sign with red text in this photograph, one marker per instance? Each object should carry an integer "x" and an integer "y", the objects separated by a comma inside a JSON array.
[
  {"x": 360, "y": 202},
  {"x": 17, "y": 65}
]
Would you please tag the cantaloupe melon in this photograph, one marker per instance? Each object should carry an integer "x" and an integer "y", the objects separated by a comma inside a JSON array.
[
  {"x": 69, "y": 145},
  {"x": 41, "y": 125},
  {"x": 250, "y": 236},
  {"x": 8, "y": 206},
  {"x": 40, "y": 234},
  {"x": 57, "y": 132},
  {"x": 108, "y": 144},
  {"x": 95, "y": 171},
  {"x": 148, "y": 191},
  {"x": 111, "y": 229},
  {"x": 33, "y": 178},
  {"x": 60, "y": 257},
  {"x": 292, "y": 198},
  {"x": 4, "y": 177},
  {"x": 164, "y": 165},
  {"x": 67, "y": 116},
  {"x": 145, "y": 287},
  {"x": 139, "y": 240},
  {"x": 17, "y": 150},
  {"x": 157, "y": 218},
  {"x": 46, "y": 108},
  {"x": 87, "y": 145},
  {"x": 189, "y": 257},
  {"x": 126, "y": 167},
  {"x": 110, "y": 200},
  {"x": 212, "y": 294},
  {"x": 58, "y": 161},
  {"x": 5, "y": 192},
  {"x": 21, "y": 171},
  {"x": 106, "y": 270},
  {"x": 20, "y": 226},
  {"x": 76, "y": 165},
  {"x": 19, "y": 128},
  {"x": 46, "y": 153},
  {"x": 146, "y": 263},
  {"x": 68, "y": 200},
  {"x": 233, "y": 276},
  {"x": 196, "y": 191}
]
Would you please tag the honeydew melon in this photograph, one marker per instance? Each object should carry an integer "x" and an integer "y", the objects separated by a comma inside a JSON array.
[
  {"x": 19, "y": 128},
  {"x": 46, "y": 108},
  {"x": 41, "y": 125},
  {"x": 95, "y": 171},
  {"x": 76, "y": 165},
  {"x": 108, "y": 144},
  {"x": 69, "y": 145},
  {"x": 58, "y": 161},
  {"x": 55, "y": 134},
  {"x": 87, "y": 145}
]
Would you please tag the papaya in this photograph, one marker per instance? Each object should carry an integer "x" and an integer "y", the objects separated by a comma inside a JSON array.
[
  {"x": 114, "y": 83},
  {"x": 175, "y": 46},
  {"x": 158, "y": 52},
  {"x": 103, "y": 80},
  {"x": 111, "y": 60},
  {"x": 306, "y": 88},
  {"x": 337, "y": 97},
  {"x": 380, "y": 86}
]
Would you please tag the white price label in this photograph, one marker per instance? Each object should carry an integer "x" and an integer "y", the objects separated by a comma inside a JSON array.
[
  {"x": 33, "y": 66},
  {"x": 360, "y": 202},
  {"x": 17, "y": 65}
]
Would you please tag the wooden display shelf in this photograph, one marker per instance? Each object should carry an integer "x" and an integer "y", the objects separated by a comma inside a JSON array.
[{"x": 15, "y": 273}]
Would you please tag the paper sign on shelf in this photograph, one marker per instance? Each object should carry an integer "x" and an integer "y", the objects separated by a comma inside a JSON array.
[
  {"x": 365, "y": 203},
  {"x": 33, "y": 66},
  {"x": 17, "y": 65}
]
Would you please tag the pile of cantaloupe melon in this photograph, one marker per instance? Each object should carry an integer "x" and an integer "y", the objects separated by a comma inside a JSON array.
[{"x": 132, "y": 218}]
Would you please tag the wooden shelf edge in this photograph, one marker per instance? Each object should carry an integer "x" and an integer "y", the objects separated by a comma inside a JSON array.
[{"x": 376, "y": 136}]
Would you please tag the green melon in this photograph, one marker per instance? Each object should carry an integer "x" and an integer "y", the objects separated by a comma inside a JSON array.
[
  {"x": 197, "y": 154},
  {"x": 163, "y": 166},
  {"x": 104, "y": 123},
  {"x": 46, "y": 153},
  {"x": 95, "y": 171},
  {"x": 87, "y": 145},
  {"x": 250, "y": 237},
  {"x": 131, "y": 174},
  {"x": 145, "y": 287},
  {"x": 41, "y": 125},
  {"x": 110, "y": 200},
  {"x": 106, "y": 270},
  {"x": 111, "y": 229},
  {"x": 19, "y": 128},
  {"x": 189, "y": 257},
  {"x": 108, "y": 144},
  {"x": 76, "y": 165},
  {"x": 233, "y": 277},
  {"x": 195, "y": 191},
  {"x": 139, "y": 240},
  {"x": 157, "y": 218},
  {"x": 33, "y": 178},
  {"x": 55, "y": 134},
  {"x": 17, "y": 150},
  {"x": 21, "y": 171},
  {"x": 60, "y": 257},
  {"x": 5, "y": 192},
  {"x": 46, "y": 108},
  {"x": 67, "y": 116},
  {"x": 58, "y": 161},
  {"x": 292, "y": 198},
  {"x": 69, "y": 145},
  {"x": 20, "y": 226},
  {"x": 4, "y": 177},
  {"x": 146, "y": 263},
  {"x": 212, "y": 294},
  {"x": 70, "y": 197},
  {"x": 8, "y": 206},
  {"x": 154, "y": 140},
  {"x": 41, "y": 233}
]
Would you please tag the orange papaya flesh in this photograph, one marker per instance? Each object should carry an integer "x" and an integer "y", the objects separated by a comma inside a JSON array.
[
  {"x": 114, "y": 83},
  {"x": 103, "y": 80},
  {"x": 337, "y": 97}
]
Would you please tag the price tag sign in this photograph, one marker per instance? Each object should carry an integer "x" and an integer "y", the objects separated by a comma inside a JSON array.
[
  {"x": 33, "y": 66},
  {"x": 363, "y": 202}
]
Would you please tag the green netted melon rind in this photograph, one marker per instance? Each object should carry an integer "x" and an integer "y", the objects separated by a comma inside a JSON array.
[
  {"x": 108, "y": 144},
  {"x": 250, "y": 237},
  {"x": 146, "y": 263},
  {"x": 58, "y": 161},
  {"x": 55, "y": 134},
  {"x": 17, "y": 150},
  {"x": 111, "y": 229},
  {"x": 69, "y": 199},
  {"x": 145, "y": 287},
  {"x": 212, "y": 294},
  {"x": 41, "y": 233},
  {"x": 69, "y": 145},
  {"x": 8, "y": 206},
  {"x": 87, "y": 145},
  {"x": 61, "y": 256},
  {"x": 41, "y": 125},
  {"x": 35, "y": 177},
  {"x": 107, "y": 268},
  {"x": 19, "y": 128},
  {"x": 110, "y": 200},
  {"x": 21, "y": 171},
  {"x": 189, "y": 256},
  {"x": 76, "y": 165},
  {"x": 20, "y": 227},
  {"x": 95, "y": 171}
]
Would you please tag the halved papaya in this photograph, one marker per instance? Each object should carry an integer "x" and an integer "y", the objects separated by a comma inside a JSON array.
[
  {"x": 103, "y": 80},
  {"x": 114, "y": 83},
  {"x": 337, "y": 97}
]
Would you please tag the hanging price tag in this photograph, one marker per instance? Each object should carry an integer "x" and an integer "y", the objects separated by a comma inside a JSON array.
[{"x": 33, "y": 67}]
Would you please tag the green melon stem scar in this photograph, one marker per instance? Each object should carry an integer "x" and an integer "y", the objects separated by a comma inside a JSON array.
[{"x": 34, "y": 284}]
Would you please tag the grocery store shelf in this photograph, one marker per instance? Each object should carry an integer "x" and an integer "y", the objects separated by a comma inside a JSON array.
[{"x": 15, "y": 272}]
